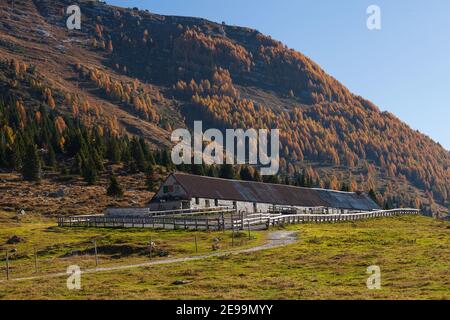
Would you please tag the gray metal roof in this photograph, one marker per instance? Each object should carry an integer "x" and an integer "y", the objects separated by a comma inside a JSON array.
[{"x": 278, "y": 194}]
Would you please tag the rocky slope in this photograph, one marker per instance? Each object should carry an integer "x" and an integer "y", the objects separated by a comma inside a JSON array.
[{"x": 145, "y": 74}]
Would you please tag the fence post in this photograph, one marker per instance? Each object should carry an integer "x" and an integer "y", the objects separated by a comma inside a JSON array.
[
  {"x": 196, "y": 245},
  {"x": 7, "y": 265},
  {"x": 150, "y": 247},
  {"x": 35, "y": 260},
  {"x": 232, "y": 237},
  {"x": 96, "y": 253},
  {"x": 248, "y": 228}
]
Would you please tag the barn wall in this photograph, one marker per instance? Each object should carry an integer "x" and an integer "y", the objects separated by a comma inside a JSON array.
[
  {"x": 169, "y": 205},
  {"x": 172, "y": 188}
]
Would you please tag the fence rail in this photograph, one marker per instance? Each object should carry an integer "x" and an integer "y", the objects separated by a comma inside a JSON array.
[
  {"x": 333, "y": 218},
  {"x": 221, "y": 222}
]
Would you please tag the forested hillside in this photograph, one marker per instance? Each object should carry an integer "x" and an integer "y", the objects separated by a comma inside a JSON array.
[{"x": 131, "y": 73}]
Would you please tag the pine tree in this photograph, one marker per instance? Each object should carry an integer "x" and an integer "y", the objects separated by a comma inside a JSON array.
[
  {"x": 227, "y": 171},
  {"x": 31, "y": 169},
  {"x": 212, "y": 171},
  {"x": 77, "y": 166},
  {"x": 114, "y": 189},
  {"x": 257, "y": 176},
  {"x": 246, "y": 174},
  {"x": 198, "y": 170},
  {"x": 137, "y": 155},
  {"x": 272, "y": 179},
  {"x": 50, "y": 158},
  {"x": 151, "y": 178},
  {"x": 113, "y": 152},
  {"x": 90, "y": 173},
  {"x": 373, "y": 195}
]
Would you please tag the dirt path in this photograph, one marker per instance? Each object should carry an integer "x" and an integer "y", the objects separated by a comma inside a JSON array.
[{"x": 275, "y": 239}]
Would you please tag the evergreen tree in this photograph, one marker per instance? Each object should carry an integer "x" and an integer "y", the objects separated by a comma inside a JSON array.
[
  {"x": 227, "y": 171},
  {"x": 77, "y": 166},
  {"x": 97, "y": 160},
  {"x": 14, "y": 156},
  {"x": 90, "y": 173},
  {"x": 212, "y": 171},
  {"x": 151, "y": 178},
  {"x": 137, "y": 155},
  {"x": 113, "y": 151},
  {"x": 63, "y": 170},
  {"x": 257, "y": 176},
  {"x": 246, "y": 174},
  {"x": 373, "y": 195},
  {"x": 50, "y": 158},
  {"x": 31, "y": 169},
  {"x": 345, "y": 187},
  {"x": 271, "y": 179},
  {"x": 114, "y": 189},
  {"x": 198, "y": 170}
]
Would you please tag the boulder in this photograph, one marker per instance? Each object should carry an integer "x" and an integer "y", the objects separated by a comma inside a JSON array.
[
  {"x": 15, "y": 239},
  {"x": 180, "y": 282}
]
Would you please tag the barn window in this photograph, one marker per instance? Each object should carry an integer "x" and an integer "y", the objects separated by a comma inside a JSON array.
[
  {"x": 207, "y": 204},
  {"x": 197, "y": 201},
  {"x": 216, "y": 202},
  {"x": 255, "y": 207}
]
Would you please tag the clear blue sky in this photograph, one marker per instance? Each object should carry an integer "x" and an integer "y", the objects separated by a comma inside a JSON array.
[{"x": 403, "y": 68}]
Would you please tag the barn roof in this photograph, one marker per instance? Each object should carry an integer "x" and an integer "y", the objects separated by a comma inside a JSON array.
[{"x": 249, "y": 191}]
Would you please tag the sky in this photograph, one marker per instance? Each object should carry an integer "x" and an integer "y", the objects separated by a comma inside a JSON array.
[{"x": 403, "y": 68}]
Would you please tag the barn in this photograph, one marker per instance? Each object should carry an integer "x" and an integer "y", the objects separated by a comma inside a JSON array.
[{"x": 186, "y": 191}]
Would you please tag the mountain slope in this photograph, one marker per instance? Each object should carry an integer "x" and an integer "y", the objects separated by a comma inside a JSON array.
[{"x": 146, "y": 74}]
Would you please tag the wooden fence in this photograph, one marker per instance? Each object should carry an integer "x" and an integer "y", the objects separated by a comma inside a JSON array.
[
  {"x": 197, "y": 223},
  {"x": 221, "y": 222},
  {"x": 333, "y": 218}
]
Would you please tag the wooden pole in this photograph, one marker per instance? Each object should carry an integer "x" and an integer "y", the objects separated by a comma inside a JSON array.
[
  {"x": 96, "y": 254},
  {"x": 232, "y": 238},
  {"x": 196, "y": 245},
  {"x": 151, "y": 247},
  {"x": 7, "y": 265},
  {"x": 223, "y": 222},
  {"x": 248, "y": 228},
  {"x": 35, "y": 260}
]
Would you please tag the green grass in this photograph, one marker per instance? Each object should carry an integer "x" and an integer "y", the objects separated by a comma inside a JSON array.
[
  {"x": 328, "y": 262},
  {"x": 58, "y": 247}
]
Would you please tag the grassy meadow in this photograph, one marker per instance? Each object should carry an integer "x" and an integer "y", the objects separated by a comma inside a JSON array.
[{"x": 328, "y": 262}]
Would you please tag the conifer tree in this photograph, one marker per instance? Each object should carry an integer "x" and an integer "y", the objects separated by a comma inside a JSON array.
[
  {"x": 151, "y": 178},
  {"x": 137, "y": 155},
  {"x": 50, "y": 157},
  {"x": 198, "y": 170},
  {"x": 257, "y": 176},
  {"x": 227, "y": 171},
  {"x": 90, "y": 173},
  {"x": 113, "y": 152},
  {"x": 31, "y": 169},
  {"x": 77, "y": 166},
  {"x": 373, "y": 195},
  {"x": 114, "y": 189},
  {"x": 246, "y": 174}
]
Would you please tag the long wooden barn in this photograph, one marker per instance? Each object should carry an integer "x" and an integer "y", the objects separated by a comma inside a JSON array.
[{"x": 186, "y": 191}]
